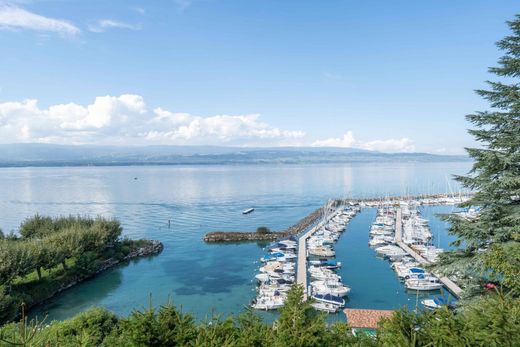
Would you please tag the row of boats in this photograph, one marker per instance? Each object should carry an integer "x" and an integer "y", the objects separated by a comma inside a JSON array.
[
  {"x": 326, "y": 287},
  {"x": 276, "y": 275},
  {"x": 416, "y": 234},
  {"x": 441, "y": 200}
]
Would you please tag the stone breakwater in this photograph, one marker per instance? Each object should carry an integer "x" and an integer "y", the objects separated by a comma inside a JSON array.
[{"x": 235, "y": 236}]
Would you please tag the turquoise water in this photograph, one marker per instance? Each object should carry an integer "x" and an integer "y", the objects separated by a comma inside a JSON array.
[{"x": 205, "y": 278}]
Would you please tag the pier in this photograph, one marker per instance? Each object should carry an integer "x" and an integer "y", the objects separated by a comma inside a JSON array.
[
  {"x": 452, "y": 286},
  {"x": 301, "y": 270}
]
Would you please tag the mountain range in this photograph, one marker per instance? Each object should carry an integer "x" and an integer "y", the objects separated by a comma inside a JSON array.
[{"x": 37, "y": 154}]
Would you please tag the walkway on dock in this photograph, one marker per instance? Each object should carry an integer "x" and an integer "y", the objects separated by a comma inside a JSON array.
[
  {"x": 452, "y": 287},
  {"x": 301, "y": 270}
]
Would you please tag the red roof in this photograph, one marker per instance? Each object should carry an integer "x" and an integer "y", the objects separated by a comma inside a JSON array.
[{"x": 365, "y": 318}]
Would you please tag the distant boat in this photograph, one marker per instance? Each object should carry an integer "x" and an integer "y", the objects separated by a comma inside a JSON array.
[{"x": 248, "y": 211}]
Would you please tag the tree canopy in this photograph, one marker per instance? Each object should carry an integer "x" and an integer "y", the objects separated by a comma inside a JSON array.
[{"x": 492, "y": 241}]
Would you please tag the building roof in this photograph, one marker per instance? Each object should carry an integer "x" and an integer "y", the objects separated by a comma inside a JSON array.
[{"x": 365, "y": 318}]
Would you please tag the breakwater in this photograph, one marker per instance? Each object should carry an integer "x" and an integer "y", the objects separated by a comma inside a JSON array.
[{"x": 236, "y": 236}]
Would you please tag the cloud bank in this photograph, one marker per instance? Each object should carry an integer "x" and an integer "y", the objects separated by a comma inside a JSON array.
[
  {"x": 126, "y": 119},
  {"x": 13, "y": 18},
  {"x": 390, "y": 145}
]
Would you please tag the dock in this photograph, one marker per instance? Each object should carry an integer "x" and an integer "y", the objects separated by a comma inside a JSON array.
[
  {"x": 452, "y": 286},
  {"x": 301, "y": 270}
]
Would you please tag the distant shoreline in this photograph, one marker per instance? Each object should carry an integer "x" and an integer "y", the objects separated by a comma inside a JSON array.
[{"x": 232, "y": 163}]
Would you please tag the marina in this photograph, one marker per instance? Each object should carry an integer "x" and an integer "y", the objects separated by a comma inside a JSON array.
[{"x": 406, "y": 242}]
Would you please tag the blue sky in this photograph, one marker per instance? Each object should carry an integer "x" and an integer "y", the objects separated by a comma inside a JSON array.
[{"x": 384, "y": 75}]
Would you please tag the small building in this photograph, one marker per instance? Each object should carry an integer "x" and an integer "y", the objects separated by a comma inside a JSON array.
[{"x": 365, "y": 321}]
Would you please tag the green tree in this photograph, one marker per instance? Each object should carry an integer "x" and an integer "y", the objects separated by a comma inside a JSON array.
[
  {"x": 299, "y": 323},
  {"x": 492, "y": 248}
]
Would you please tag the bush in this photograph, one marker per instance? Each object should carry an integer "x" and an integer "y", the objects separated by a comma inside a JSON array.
[{"x": 263, "y": 230}]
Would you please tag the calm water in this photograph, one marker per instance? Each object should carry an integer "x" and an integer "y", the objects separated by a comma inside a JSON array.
[{"x": 205, "y": 277}]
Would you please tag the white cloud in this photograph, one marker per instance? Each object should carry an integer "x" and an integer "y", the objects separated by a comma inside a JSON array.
[
  {"x": 389, "y": 145},
  {"x": 103, "y": 25},
  {"x": 346, "y": 141},
  {"x": 13, "y": 17},
  {"x": 125, "y": 119}
]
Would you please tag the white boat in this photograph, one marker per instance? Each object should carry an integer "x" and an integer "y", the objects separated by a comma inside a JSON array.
[
  {"x": 423, "y": 284},
  {"x": 322, "y": 252},
  {"x": 329, "y": 299},
  {"x": 268, "y": 302},
  {"x": 330, "y": 287},
  {"x": 325, "y": 307},
  {"x": 288, "y": 243},
  {"x": 247, "y": 211},
  {"x": 321, "y": 276},
  {"x": 435, "y": 303}
]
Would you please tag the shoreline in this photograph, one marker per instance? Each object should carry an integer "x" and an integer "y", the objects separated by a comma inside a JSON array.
[{"x": 151, "y": 248}]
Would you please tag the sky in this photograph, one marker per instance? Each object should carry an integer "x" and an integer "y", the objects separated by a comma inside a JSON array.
[{"x": 392, "y": 76}]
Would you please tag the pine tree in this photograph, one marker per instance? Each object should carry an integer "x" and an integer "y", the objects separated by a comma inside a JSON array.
[
  {"x": 492, "y": 241},
  {"x": 299, "y": 324}
]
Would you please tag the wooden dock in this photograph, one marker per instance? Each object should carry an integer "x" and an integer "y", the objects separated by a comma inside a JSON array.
[{"x": 452, "y": 287}]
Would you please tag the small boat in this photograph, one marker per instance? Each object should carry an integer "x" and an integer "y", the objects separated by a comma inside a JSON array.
[
  {"x": 330, "y": 287},
  {"x": 328, "y": 264},
  {"x": 325, "y": 307},
  {"x": 435, "y": 303},
  {"x": 329, "y": 299},
  {"x": 268, "y": 302},
  {"x": 423, "y": 284},
  {"x": 248, "y": 211},
  {"x": 322, "y": 252}
]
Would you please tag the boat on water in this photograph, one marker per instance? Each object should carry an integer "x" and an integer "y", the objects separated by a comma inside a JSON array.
[
  {"x": 322, "y": 251},
  {"x": 329, "y": 299},
  {"x": 330, "y": 287},
  {"x": 268, "y": 302},
  {"x": 427, "y": 284},
  {"x": 248, "y": 211},
  {"x": 325, "y": 307},
  {"x": 325, "y": 263},
  {"x": 436, "y": 303}
]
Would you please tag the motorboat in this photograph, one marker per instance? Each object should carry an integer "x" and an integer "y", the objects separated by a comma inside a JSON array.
[
  {"x": 322, "y": 252},
  {"x": 268, "y": 302},
  {"x": 329, "y": 299},
  {"x": 427, "y": 284},
  {"x": 330, "y": 287},
  {"x": 325, "y": 263},
  {"x": 325, "y": 307},
  {"x": 436, "y": 303}
]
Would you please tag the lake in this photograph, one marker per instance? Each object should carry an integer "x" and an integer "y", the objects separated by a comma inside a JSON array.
[{"x": 205, "y": 278}]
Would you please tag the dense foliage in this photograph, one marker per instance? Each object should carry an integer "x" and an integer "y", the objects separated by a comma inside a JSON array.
[
  {"x": 492, "y": 241},
  {"x": 52, "y": 252},
  {"x": 494, "y": 321},
  {"x": 298, "y": 325}
]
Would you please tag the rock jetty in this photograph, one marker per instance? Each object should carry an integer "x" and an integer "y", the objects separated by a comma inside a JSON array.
[{"x": 237, "y": 236}]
